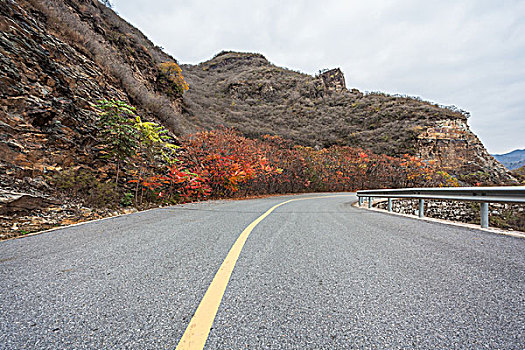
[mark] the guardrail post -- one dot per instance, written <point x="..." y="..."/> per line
<point x="369" y="202"/>
<point x="360" y="201"/>
<point x="389" y="205"/>
<point x="485" y="215"/>
<point x="421" y="208"/>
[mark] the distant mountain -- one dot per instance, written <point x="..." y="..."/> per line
<point x="519" y="174"/>
<point x="512" y="160"/>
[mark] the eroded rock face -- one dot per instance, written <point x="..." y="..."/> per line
<point x="57" y="59"/>
<point x="458" y="150"/>
<point x="53" y="71"/>
<point x="47" y="87"/>
<point x="333" y="80"/>
<point x="12" y="202"/>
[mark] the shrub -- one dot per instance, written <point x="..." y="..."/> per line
<point x="170" y="79"/>
<point x="233" y="165"/>
<point x="84" y="185"/>
<point x="127" y="199"/>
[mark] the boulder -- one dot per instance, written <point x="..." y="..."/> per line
<point x="15" y="203"/>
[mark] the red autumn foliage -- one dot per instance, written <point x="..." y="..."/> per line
<point x="233" y="165"/>
<point x="186" y="184"/>
<point x="223" y="163"/>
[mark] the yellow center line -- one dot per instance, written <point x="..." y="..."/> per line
<point x="199" y="327"/>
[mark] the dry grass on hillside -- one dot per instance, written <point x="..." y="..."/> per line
<point x="120" y="49"/>
<point x="248" y="92"/>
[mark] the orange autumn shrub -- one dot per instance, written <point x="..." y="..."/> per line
<point x="170" y="79"/>
<point x="227" y="160"/>
<point x="233" y="165"/>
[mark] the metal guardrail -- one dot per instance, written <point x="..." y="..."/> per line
<point x="484" y="195"/>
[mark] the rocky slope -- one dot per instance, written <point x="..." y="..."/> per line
<point x="458" y="150"/>
<point x="519" y="174"/>
<point x="57" y="58"/>
<point x="246" y="91"/>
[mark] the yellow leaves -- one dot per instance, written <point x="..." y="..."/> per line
<point x="173" y="73"/>
<point x="154" y="137"/>
<point x="171" y="146"/>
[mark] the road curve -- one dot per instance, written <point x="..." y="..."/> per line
<point x="314" y="274"/>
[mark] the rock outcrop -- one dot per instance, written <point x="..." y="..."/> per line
<point x="459" y="151"/>
<point x="332" y="80"/>
<point x="58" y="58"/>
<point x="11" y="203"/>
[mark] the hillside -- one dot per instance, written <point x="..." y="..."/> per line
<point x="246" y="91"/>
<point x="59" y="57"/>
<point x="512" y="160"/>
<point x="519" y="174"/>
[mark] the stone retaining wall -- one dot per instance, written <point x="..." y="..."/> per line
<point x="506" y="216"/>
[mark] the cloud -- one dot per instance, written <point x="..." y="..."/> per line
<point x="469" y="53"/>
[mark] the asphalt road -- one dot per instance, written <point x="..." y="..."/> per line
<point x="315" y="274"/>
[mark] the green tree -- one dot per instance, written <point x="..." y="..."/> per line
<point x="116" y="133"/>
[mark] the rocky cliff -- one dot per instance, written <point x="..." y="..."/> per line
<point x="57" y="58"/>
<point x="459" y="151"/>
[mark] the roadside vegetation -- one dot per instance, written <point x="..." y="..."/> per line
<point x="146" y="166"/>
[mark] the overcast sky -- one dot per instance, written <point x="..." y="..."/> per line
<point x="469" y="53"/>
